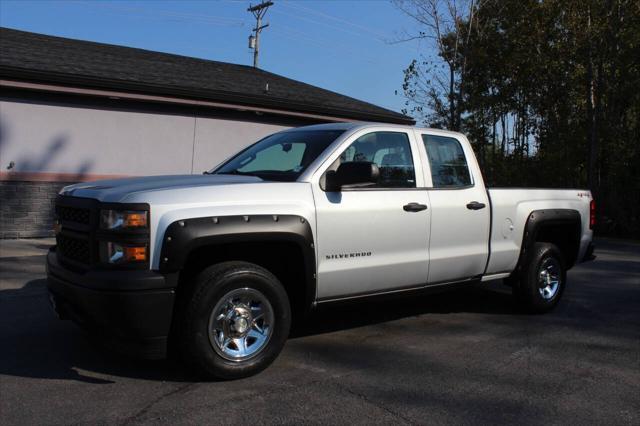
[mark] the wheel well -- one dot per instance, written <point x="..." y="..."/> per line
<point x="284" y="259"/>
<point x="561" y="227"/>
<point x="565" y="236"/>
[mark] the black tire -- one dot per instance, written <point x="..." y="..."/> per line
<point x="527" y="287"/>
<point x="209" y="287"/>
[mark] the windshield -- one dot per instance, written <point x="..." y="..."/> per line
<point x="280" y="157"/>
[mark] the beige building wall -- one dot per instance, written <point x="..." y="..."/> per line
<point x="58" y="139"/>
<point x="45" y="145"/>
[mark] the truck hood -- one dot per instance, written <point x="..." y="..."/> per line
<point x="115" y="190"/>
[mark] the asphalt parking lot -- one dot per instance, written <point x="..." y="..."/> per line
<point x="463" y="357"/>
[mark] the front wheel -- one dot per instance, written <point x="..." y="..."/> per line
<point x="542" y="280"/>
<point x="236" y="321"/>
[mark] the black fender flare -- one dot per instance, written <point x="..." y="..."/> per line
<point x="184" y="236"/>
<point x="538" y="219"/>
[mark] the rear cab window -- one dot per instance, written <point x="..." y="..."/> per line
<point x="447" y="161"/>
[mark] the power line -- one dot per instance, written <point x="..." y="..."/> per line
<point x="342" y="21"/>
<point x="339" y="24"/>
<point x="295" y="35"/>
<point x="258" y="12"/>
<point x="327" y="24"/>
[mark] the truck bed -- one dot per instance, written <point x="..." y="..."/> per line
<point x="511" y="207"/>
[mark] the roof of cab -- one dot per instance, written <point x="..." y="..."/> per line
<point x="364" y="125"/>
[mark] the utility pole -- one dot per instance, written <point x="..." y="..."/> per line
<point x="254" y="41"/>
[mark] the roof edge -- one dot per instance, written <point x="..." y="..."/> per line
<point x="161" y="99"/>
<point x="231" y="98"/>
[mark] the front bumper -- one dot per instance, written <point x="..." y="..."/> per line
<point x="130" y="309"/>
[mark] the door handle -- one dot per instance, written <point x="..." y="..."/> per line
<point x="474" y="205"/>
<point x="414" y="207"/>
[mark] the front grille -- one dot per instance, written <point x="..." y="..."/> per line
<point x="76" y="249"/>
<point x="79" y="238"/>
<point x="73" y="214"/>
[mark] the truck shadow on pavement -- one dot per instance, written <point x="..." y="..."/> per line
<point x="375" y="310"/>
<point x="37" y="345"/>
<point x="598" y="312"/>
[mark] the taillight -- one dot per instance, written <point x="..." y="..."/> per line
<point x="592" y="214"/>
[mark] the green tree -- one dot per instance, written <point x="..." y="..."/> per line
<point x="547" y="91"/>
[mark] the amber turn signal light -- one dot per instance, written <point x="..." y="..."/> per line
<point x="135" y="254"/>
<point x="117" y="253"/>
<point x="135" y="220"/>
<point x="123" y="219"/>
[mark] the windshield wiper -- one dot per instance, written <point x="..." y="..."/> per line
<point x="238" y="173"/>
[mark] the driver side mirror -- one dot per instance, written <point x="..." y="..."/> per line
<point x="352" y="174"/>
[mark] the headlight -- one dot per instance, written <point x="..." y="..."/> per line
<point x="123" y="219"/>
<point x="116" y="253"/>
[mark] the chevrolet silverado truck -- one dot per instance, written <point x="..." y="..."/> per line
<point x="214" y="267"/>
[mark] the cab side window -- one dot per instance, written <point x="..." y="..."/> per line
<point x="448" y="164"/>
<point x="391" y="152"/>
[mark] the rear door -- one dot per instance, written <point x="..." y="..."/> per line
<point x="460" y="211"/>
<point x="374" y="239"/>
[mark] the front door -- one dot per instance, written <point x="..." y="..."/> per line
<point x="376" y="238"/>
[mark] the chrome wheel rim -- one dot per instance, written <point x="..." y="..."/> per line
<point x="241" y="324"/>
<point x="549" y="278"/>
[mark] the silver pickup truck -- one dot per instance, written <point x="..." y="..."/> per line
<point x="214" y="267"/>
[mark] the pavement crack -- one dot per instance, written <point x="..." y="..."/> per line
<point x="382" y="407"/>
<point x="137" y="416"/>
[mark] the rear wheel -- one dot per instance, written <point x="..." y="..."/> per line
<point x="541" y="283"/>
<point x="235" y="322"/>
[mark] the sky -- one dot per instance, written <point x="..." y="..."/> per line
<point x="344" y="46"/>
